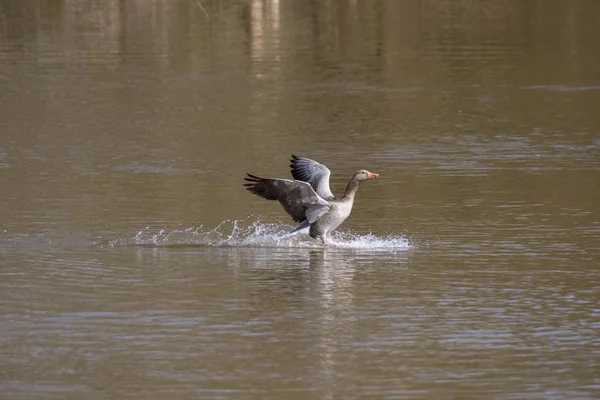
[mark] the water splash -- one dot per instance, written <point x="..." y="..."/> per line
<point x="259" y="234"/>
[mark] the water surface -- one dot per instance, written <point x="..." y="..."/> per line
<point x="135" y="265"/>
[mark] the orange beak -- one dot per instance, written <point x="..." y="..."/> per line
<point x="371" y="175"/>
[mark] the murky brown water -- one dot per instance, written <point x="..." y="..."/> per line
<point x="134" y="265"/>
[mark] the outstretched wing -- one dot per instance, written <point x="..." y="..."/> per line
<point x="298" y="198"/>
<point x="317" y="175"/>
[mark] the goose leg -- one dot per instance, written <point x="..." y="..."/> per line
<point x="334" y="245"/>
<point x="330" y="244"/>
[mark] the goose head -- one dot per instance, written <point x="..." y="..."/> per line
<point x="363" y="175"/>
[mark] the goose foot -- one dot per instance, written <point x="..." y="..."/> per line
<point x="332" y="244"/>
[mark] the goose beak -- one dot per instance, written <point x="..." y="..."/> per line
<point x="371" y="175"/>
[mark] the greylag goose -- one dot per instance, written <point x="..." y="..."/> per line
<point x="308" y="198"/>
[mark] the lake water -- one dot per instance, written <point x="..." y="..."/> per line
<point x="135" y="265"/>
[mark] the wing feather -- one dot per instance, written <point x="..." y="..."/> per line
<point x="298" y="198"/>
<point x="317" y="175"/>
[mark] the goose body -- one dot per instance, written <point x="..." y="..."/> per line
<point x="307" y="198"/>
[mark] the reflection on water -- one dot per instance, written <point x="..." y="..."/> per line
<point x="210" y="319"/>
<point x="135" y="265"/>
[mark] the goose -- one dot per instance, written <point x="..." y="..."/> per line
<point x="307" y="198"/>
